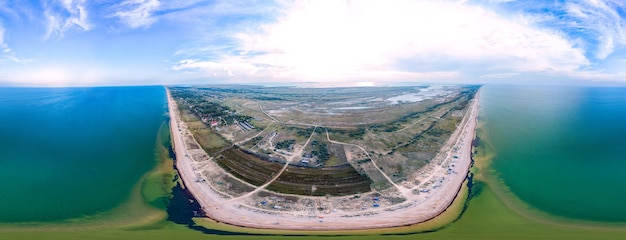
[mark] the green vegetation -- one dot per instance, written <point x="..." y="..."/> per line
<point x="320" y="150"/>
<point x="210" y="141"/>
<point x="336" y="181"/>
<point x="254" y="141"/>
<point x="342" y="180"/>
<point x="343" y="134"/>
<point x="247" y="167"/>
<point x="303" y="132"/>
<point x="337" y="156"/>
<point x="206" y="107"/>
<point x="284" y="144"/>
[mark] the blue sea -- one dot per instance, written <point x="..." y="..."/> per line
<point x="561" y="149"/>
<point x="73" y="152"/>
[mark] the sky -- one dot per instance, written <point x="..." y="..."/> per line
<point x="141" y="42"/>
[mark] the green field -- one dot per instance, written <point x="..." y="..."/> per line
<point x="339" y="180"/>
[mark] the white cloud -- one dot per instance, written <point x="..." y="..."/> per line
<point x="66" y="15"/>
<point x="7" y="53"/>
<point x="322" y="40"/>
<point x="601" y="19"/>
<point x="501" y="1"/>
<point x="3" y="45"/>
<point x="137" y="13"/>
<point x="499" y="75"/>
<point x="6" y="9"/>
<point x="216" y="69"/>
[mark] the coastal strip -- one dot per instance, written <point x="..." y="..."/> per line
<point x="448" y="175"/>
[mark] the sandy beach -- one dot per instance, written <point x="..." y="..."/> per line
<point x="440" y="181"/>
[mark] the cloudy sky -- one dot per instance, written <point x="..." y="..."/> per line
<point x="108" y="42"/>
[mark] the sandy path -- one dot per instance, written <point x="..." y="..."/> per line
<point x="298" y="152"/>
<point x="418" y="208"/>
<point x="268" y="115"/>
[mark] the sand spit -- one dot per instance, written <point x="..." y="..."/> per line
<point x="439" y="183"/>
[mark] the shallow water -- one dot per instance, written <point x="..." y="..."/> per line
<point x="560" y="149"/>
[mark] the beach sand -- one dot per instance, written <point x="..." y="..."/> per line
<point x="440" y="182"/>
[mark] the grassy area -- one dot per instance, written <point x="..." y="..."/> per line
<point x="210" y="141"/>
<point x="337" y="155"/>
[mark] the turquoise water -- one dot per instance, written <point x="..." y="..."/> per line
<point x="73" y="152"/>
<point x="560" y="149"/>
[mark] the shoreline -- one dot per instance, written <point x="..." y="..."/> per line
<point x="415" y="210"/>
<point x="527" y="211"/>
